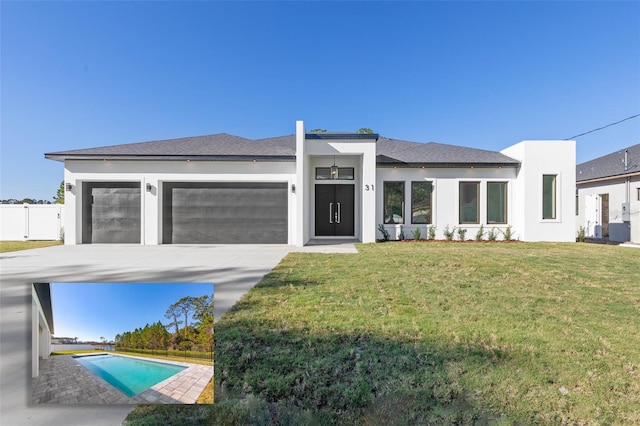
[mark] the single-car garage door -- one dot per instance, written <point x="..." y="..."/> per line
<point x="225" y="213"/>
<point x="111" y="212"/>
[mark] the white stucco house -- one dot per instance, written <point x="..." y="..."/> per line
<point x="41" y="325"/>
<point x="608" y="196"/>
<point x="308" y="186"/>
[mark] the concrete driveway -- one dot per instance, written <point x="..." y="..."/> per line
<point x="233" y="269"/>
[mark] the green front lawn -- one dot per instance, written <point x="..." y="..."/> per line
<point x="415" y="333"/>
<point x="6" y="246"/>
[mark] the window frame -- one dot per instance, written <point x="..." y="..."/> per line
<point x="460" y="203"/>
<point x="430" y="204"/>
<point x="385" y="185"/>
<point x="505" y="207"/>
<point x="554" y="198"/>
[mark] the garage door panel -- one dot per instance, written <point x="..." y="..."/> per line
<point x="225" y="213"/>
<point x="111" y="212"/>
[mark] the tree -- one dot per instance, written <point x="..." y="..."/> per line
<point x="59" y="197"/>
<point x="172" y="313"/>
<point x="364" y="131"/>
<point x="318" y="131"/>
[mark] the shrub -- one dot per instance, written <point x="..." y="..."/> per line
<point x="492" y="235"/>
<point x="508" y="233"/>
<point x="462" y="233"/>
<point x="416" y="233"/>
<point x="480" y="233"/>
<point x="581" y="234"/>
<point x="401" y="235"/>
<point x="448" y="233"/>
<point x="431" y="233"/>
<point x="384" y="232"/>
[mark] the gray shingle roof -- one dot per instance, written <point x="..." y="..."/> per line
<point x="222" y="146"/>
<point x="609" y="165"/>
<point x="393" y="152"/>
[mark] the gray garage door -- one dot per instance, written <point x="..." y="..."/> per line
<point x="224" y="213"/>
<point x="111" y="212"/>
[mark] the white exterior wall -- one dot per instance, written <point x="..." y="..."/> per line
<point x="157" y="172"/>
<point x="40" y="334"/>
<point x="619" y="191"/>
<point x="445" y="197"/>
<point x="31" y="221"/>
<point x="540" y="158"/>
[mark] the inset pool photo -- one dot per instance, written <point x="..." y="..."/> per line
<point x="122" y="343"/>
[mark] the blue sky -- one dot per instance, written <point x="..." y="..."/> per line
<point x="477" y="74"/>
<point x="93" y="310"/>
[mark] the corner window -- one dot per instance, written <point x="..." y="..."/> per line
<point x="549" y="196"/>
<point x="496" y="202"/>
<point x="394" y="202"/>
<point x="421" y="202"/>
<point x="469" y="197"/>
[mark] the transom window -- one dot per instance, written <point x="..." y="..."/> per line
<point x="469" y="200"/>
<point x="343" y="173"/>
<point x="496" y="202"/>
<point x="421" y="204"/>
<point x="394" y="202"/>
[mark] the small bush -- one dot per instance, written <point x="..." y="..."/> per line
<point x="480" y="233"/>
<point x="492" y="235"/>
<point x="431" y="233"/>
<point x="508" y="233"/>
<point x="401" y="235"/>
<point x="416" y="233"/>
<point x="448" y="233"/>
<point x="462" y="234"/>
<point x="384" y="232"/>
<point x="581" y="234"/>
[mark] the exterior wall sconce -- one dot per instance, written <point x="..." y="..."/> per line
<point x="69" y="186"/>
<point x="149" y="187"/>
<point x="334" y="169"/>
<point x="293" y="188"/>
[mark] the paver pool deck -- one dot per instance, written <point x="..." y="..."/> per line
<point x="63" y="380"/>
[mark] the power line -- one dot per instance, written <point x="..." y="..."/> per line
<point x="603" y="127"/>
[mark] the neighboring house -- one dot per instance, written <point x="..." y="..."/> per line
<point x="292" y="189"/>
<point x="608" y="196"/>
<point x="41" y="325"/>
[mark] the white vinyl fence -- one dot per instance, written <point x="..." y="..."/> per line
<point x="20" y="222"/>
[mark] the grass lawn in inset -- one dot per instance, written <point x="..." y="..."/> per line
<point x="6" y="246"/>
<point x="415" y="333"/>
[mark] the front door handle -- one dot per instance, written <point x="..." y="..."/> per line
<point x="339" y="216"/>
<point x="330" y="212"/>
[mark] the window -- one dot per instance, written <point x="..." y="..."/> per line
<point x="344" y="173"/>
<point x="549" y="196"/>
<point x="421" y="202"/>
<point x="469" y="202"/>
<point x="394" y="202"/>
<point x="496" y="202"/>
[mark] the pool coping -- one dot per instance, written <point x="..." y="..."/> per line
<point x="65" y="381"/>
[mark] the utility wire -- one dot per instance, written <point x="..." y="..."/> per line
<point x="603" y="127"/>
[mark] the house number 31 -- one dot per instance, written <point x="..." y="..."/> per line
<point x="369" y="187"/>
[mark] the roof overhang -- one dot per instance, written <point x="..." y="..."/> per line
<point x="608" y="178"/>
<point x="43" y="290"/>
<point x="349" y="136"/>
<point x="261" y="158"/>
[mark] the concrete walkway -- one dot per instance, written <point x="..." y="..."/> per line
<point x="234" y="270"/>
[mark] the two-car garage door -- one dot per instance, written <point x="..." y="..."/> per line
<point x="192" y="212"/>
<point x="224" y="213"/>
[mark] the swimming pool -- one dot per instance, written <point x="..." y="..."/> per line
<point x="130" y="375"/>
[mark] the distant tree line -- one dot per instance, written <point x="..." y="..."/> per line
<point x="195" y="336"/>
<point x="25" y="201"/>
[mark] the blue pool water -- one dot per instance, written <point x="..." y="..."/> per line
<point x="131" y="376"/>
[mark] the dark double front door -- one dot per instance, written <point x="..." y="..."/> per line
<point x="334" y="210"/>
